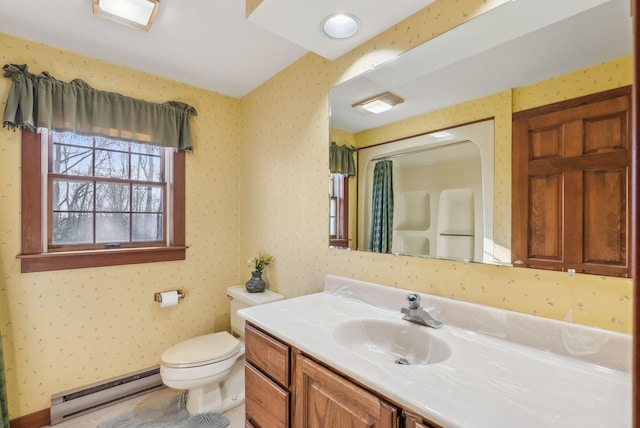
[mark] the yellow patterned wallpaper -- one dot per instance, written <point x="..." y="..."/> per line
<point x="256" y="181"/>
<point x="601" y="77"/>
<point x="61" y="330"/>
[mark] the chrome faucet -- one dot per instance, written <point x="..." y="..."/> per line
<point x="415" y="313"/>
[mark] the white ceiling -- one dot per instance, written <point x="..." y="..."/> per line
<point x="206" y="43"/>
<point x="302" y="19"/>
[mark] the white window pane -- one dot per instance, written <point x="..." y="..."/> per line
<point x="147" y="227"/>
<point x="112" y="197"/>
<point x="72" y="228"/>
<point x="111" y="227"/>
<point x="332" y="227"/>
<point x="112" y="164"/>
<point x="147" y="199"/>
<point x="145" y="168"/>
<point x="72" y="195"/>
<point x="72" y="160"/>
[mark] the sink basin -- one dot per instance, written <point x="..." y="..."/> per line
<point x="393" y="342"/>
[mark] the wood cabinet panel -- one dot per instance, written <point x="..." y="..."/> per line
<point x="266" y="403"/>
<point x="571" y="175"/>
<point x="325" y="399"/>
<point x="614" y="127"/>
<point x="268" y="354"/>
<point x="545" y="209"/>
<point x="605" y="224"/>
<point x="545" y="143"/>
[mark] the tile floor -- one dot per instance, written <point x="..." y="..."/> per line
<point x="91" y="420"/>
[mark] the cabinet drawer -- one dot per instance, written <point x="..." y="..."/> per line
<point x="266" y="403"/>
<point x="267" y="354"/>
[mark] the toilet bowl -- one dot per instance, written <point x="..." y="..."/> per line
<point x="202" y="365"/>
<point x="211" y="367"/>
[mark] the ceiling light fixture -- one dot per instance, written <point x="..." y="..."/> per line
<point x="379" y="103"/>
<point x="138" y="14"/>
<point x="340" y="26"/>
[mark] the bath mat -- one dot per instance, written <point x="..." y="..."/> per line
<point x="171" y="413"/>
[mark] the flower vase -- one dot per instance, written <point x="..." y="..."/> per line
<point x="256" y="284"/>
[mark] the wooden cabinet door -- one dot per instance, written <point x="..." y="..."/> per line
<point x="266" y="403"/>
<point x="571" y="191"/>
<point x="325" y="399"/>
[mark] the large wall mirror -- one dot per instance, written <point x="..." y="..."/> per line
<point x="451" y="122"/>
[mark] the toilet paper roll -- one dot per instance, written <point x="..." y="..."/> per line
<point x="169" y="298"/>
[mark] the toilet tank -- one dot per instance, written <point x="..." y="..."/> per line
<point x="240" y="298"/>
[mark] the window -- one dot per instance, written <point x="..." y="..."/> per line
<point x="99" y="202"/>
<point x="104" y="193"/>
<point x="339" y="210"/>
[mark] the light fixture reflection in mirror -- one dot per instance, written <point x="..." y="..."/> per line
<point x="378" y="103"/>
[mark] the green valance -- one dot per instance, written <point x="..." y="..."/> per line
<point x="341" y="159"/>
<point x="41" y="101"/>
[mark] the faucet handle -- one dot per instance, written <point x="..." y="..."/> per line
<point x="414" y="300"/>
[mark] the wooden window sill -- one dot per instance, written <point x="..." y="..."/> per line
<point x="85" y="259"/>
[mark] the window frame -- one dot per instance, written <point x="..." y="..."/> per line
<point x="341" y="239"/>
<point x="163" y="183"/>
<point x="34" y="259"/>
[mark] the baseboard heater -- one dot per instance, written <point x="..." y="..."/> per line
<point x="75" y="402"/>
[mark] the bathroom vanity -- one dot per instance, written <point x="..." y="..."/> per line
<point x="323" y="396"/>
<point x="345" y="357"/>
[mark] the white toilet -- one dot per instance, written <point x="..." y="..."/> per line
<point x="211" y="367"/>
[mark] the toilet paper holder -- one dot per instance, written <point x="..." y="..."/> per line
<point x="157" y="297"/>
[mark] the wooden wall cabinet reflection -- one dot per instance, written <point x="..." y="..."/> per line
<point x="571" y="185"/>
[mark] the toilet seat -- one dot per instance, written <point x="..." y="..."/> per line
<point x="201" y="350"/>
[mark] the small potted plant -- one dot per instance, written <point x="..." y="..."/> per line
<point x="256" y="284"/>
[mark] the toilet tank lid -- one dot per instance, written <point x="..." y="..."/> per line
<point x="201" y="349"/>
<point x="253" y="299"/>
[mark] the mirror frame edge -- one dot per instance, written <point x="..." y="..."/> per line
<point x="635" y="218"/>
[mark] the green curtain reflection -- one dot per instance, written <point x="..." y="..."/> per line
<point x="341" y="159"/>
<point x="41" y="101"/>
<point x="381" y="232"/>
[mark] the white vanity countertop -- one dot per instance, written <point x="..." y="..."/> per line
<point x="487" y="381"/>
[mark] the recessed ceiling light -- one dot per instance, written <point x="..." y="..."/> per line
<point x="340" y="25"/>
<point x="133" y="13"/>
<point x="378" y="103"/>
